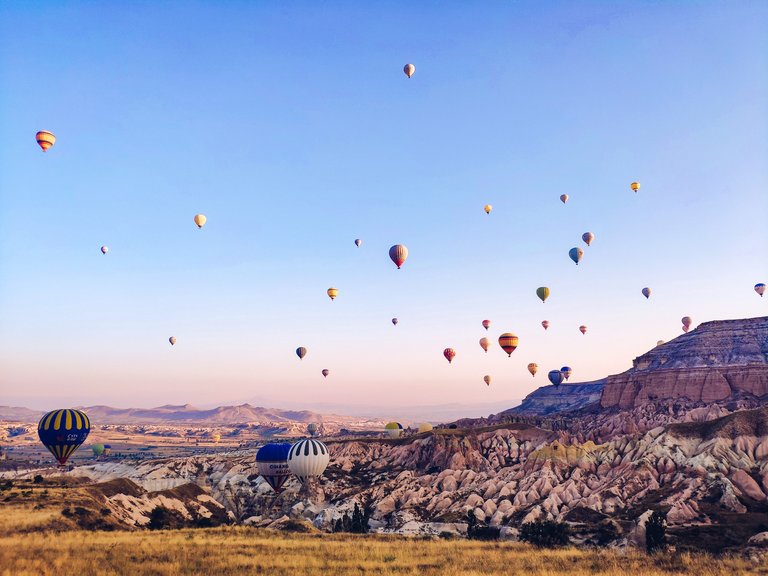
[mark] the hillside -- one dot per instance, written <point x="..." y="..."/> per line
<point x="718" y="361"/>
<point x="186" y="414"/>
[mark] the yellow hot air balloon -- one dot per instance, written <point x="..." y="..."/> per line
<point x="332" y="293"/>
<point x="488" y="208"/>
<point x="487" y="380"/>
<point x="508" y="342"/>
<point x="533" y="368"/>
<point x="635" y="186"/>
<point x="543" y="293"/>
<point x="484" y="344"/>
<point x="425" y="427"/>
<point x="200" y="220"/>
<point x="45" y="139"/>
<point x="409" y="69"/>
<point x="216" y="437"/>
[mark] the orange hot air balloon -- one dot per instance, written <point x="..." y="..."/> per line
<point x="635" y="186"/>
<point x="332" y="293"/>
<point x="449" y="354"/>
<point x="508" y="342"/>
<point x="200" y="220"/>
<point x="533" y="368"/>
<point x="563" y="198"/>
<point x="488" y="208"/>
<point x="583" y="329"/>
<point x="545" y="324"/>
<point x="409" y="69"/>
<point x="484" y="343"/>
<point x="398" y="253"/>
<point x="487" y="380"/>
<point x="686" y="323"/>
<point x="45" y="139"/>
<point x="486" y="324"/>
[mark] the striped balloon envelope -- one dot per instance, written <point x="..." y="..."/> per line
<point x="308" y="458"/>
<point x="63" y="431"/>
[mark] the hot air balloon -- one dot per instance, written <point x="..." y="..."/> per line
<point x="583" y="329"/>
<point x="312" y="429"/>
<point x="98" y="449"/>
<point x="563" y="198"/>
<point x="487" y="380"/>
<point x="308" y="458"/>
<point x="646" y="292"/>
<point x="566" y="370"/>
<point x="449" y="354"/>
<point x="545" y="324"/>
<point x="760" y="289"/>
<point x="686" y="323"/>
<point x="488" y="208"/>
<point x="659" y="342"/>
<point x="508" y="342"/>
<point x="104" y="249"/>
<point x="635" y="186"/>
<point x="556" y="377"/>
<point x="200" y="220"/>
<point x="425" y="427"/>
<point x="272" y="463"/>
<point x="486" y="324"/>
<point x="172" y="340"/>
<point x="45" y="139"/>
<point x="409" y="69"/>
<point x="358" y="242"/>
<point x="326" y="372"/>
<point x="484" y="343"/>
<point x="395" y="321"/>
<point x="575" y="254"/>
<point x="398" y="253"/>
<point x="332" y="293"/>
<point x="588" y="238"/>
<point x="107" y="449"/>
<point x="301" y="352"/>
<point x="543" y="293"/>
<point x="63" y="431"/>
<point x="533" y="368"/>
<point x="216" y="437"/>
<point x="394" y="429"/>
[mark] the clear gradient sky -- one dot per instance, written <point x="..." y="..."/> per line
<point x="292" y="127"/>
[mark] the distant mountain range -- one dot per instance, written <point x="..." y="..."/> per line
<point x="169" y="414"/>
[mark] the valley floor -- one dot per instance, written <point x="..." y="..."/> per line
<point x="231" y="551"/>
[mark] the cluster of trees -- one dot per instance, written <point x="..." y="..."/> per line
<point x="356" y="524"/>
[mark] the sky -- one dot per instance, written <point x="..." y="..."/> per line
<point x="292" y="127"/>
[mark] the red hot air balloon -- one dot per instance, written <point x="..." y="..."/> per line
<point x="449" y="354"/>
<point x="686" y="323"/>
<point x="486" y="324"/>
<point x="545" y="324"/>
<point x="583" y="329"/>
<point x="398" y="253"/>
<point x="326" y="372"/>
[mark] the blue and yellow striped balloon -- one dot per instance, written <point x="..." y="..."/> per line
<point x="63" y="431"/>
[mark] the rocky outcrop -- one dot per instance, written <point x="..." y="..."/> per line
<point x="710" y="363"/>
<point x="551" y="399"/>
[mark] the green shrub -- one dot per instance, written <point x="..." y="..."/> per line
<point x="655" y="532"/>
<point x="545" y="533"/>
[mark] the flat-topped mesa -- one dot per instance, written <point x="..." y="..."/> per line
<point x="708" y="364"/>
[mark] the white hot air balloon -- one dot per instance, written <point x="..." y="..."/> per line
<point x="308" y="458"/>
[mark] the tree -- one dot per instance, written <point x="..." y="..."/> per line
<point x="655" y="532"/>
<point x="545" y="533"/>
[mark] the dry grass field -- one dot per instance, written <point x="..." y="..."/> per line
<point x="231" y="551"/>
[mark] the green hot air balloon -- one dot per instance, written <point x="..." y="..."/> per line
<point x="98" y="449"/>
<point x="543" y="293"/>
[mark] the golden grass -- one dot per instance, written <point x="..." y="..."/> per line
<point x="235" y="551"/>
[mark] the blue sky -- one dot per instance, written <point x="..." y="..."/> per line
<point x="294" y="129"/>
